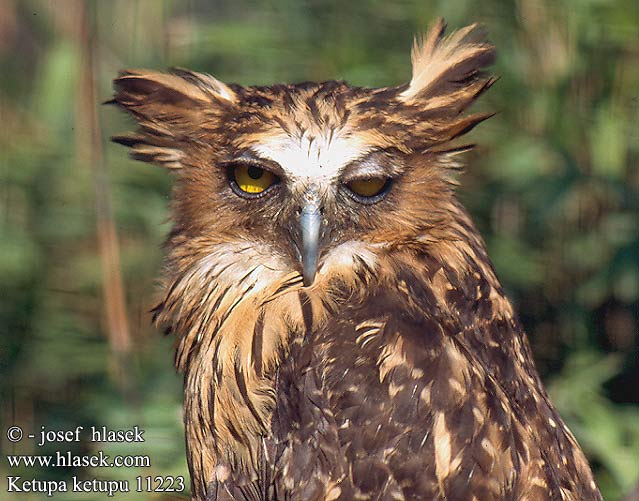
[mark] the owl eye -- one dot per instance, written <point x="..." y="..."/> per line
<point x="369" y="190"/>
<point x="251" y="179"/>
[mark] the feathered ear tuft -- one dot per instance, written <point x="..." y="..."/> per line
<point x="171" y="109"/>
<point x="447" y="77"/>
<point x="447" y="70"/>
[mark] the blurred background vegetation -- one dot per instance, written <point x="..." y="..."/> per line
<point x="554" y="188"/>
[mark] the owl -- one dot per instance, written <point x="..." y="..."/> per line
<point x="341" y="330"/>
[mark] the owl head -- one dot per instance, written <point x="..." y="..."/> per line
<point x="312" y="169"/>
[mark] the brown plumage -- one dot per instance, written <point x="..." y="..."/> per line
<point x="339" y="325"/>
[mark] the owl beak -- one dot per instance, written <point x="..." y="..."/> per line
<point x="310" y="223"/>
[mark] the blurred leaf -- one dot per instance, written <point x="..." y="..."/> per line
<point x="610" y="434"/>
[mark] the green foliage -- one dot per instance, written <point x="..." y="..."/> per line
<point x="554" y="189"/>
<point x="608" y="433"/>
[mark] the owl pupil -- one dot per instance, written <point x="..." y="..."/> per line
<point x="255" y="172"/>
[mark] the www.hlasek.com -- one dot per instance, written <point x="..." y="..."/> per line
<point x="68" y="460"/>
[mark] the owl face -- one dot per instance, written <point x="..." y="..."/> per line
<point x="305" y="185"/>
<point x="310" y="170"/>
<point x="308" y="175"/>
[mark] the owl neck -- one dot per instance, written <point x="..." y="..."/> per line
<point x="237" y="309"/>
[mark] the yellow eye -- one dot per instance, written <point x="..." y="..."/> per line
<point x="368" y="187"/>
<point x="252" y="179"/>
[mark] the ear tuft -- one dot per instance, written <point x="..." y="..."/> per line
<point x="178" y="87"/>
<point x="171" y="109"/>
<point x="208" y="84"/>
<point x="447" y="70"/>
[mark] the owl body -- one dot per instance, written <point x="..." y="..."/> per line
<point x="340" y="328"/>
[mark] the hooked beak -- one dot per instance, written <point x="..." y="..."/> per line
<point x="310" y="223"/>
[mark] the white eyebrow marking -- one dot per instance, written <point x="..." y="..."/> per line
<point x="320" y="158"/>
